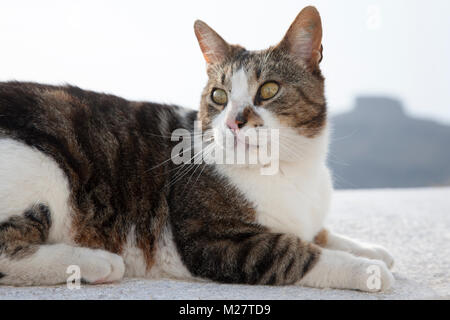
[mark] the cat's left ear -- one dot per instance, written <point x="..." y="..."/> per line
<point x="214" y="48"/>
<point x="303" y="40"/>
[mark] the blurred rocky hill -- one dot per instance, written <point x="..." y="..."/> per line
<point x="377" y="145"/>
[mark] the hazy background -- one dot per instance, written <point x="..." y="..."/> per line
<point x="388" y="59"/>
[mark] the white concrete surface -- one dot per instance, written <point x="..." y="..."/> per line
<point x="413" y="223"/>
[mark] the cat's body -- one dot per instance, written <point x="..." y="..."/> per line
<point x="86" y="179"/>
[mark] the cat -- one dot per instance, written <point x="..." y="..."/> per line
<point x="86" y="179"/>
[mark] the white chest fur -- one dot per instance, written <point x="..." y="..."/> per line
<point x="296" y="200"/>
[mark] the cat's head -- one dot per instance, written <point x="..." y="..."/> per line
<point x="279" y="88"/>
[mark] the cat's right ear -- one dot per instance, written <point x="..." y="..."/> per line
<point x="303" y="40"/>
<point x="214" y="48"/>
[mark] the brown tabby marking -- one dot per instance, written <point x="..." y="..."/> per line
<point x="321" y="239"/>
<point x="20" y="235"/>
<point x="252" y="119"/>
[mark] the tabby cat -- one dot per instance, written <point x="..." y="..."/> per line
<point x="86" y="179"/>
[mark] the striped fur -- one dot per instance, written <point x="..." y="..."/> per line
<point x="20" y="235"/>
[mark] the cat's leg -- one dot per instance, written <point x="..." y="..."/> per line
<point x="335" y="241"/>
<point x="25" y="259"/>
<point x="254" y="257"/>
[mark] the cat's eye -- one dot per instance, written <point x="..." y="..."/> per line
<point x="268" y="90"/>
<point x="219" y="96"/>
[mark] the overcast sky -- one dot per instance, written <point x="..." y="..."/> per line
<point x="146" y="50"/>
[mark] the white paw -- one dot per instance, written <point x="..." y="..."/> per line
<point x="100" y="266"/>
<point x="342" y="270"/>
<point x="378" y="253"/>
<point x="372" y="276"/>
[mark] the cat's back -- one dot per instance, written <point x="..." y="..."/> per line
<point x="34" y="109"/>
<point x="67" y="120"/>
<point x="33" y="104"/>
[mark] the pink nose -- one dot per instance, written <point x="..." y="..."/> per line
<point x="231" y="123"/>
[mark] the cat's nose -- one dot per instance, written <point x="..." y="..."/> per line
<point x="231" y="124"/>
<point x="239" y="121"/>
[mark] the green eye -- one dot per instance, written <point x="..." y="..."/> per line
<point x="268" y="90"/>
<point x="219" y="96"/>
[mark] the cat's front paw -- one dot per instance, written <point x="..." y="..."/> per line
<point x="373" y="276"/>
<point x="377" y="253"/>
<point x="342" y="270"/>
